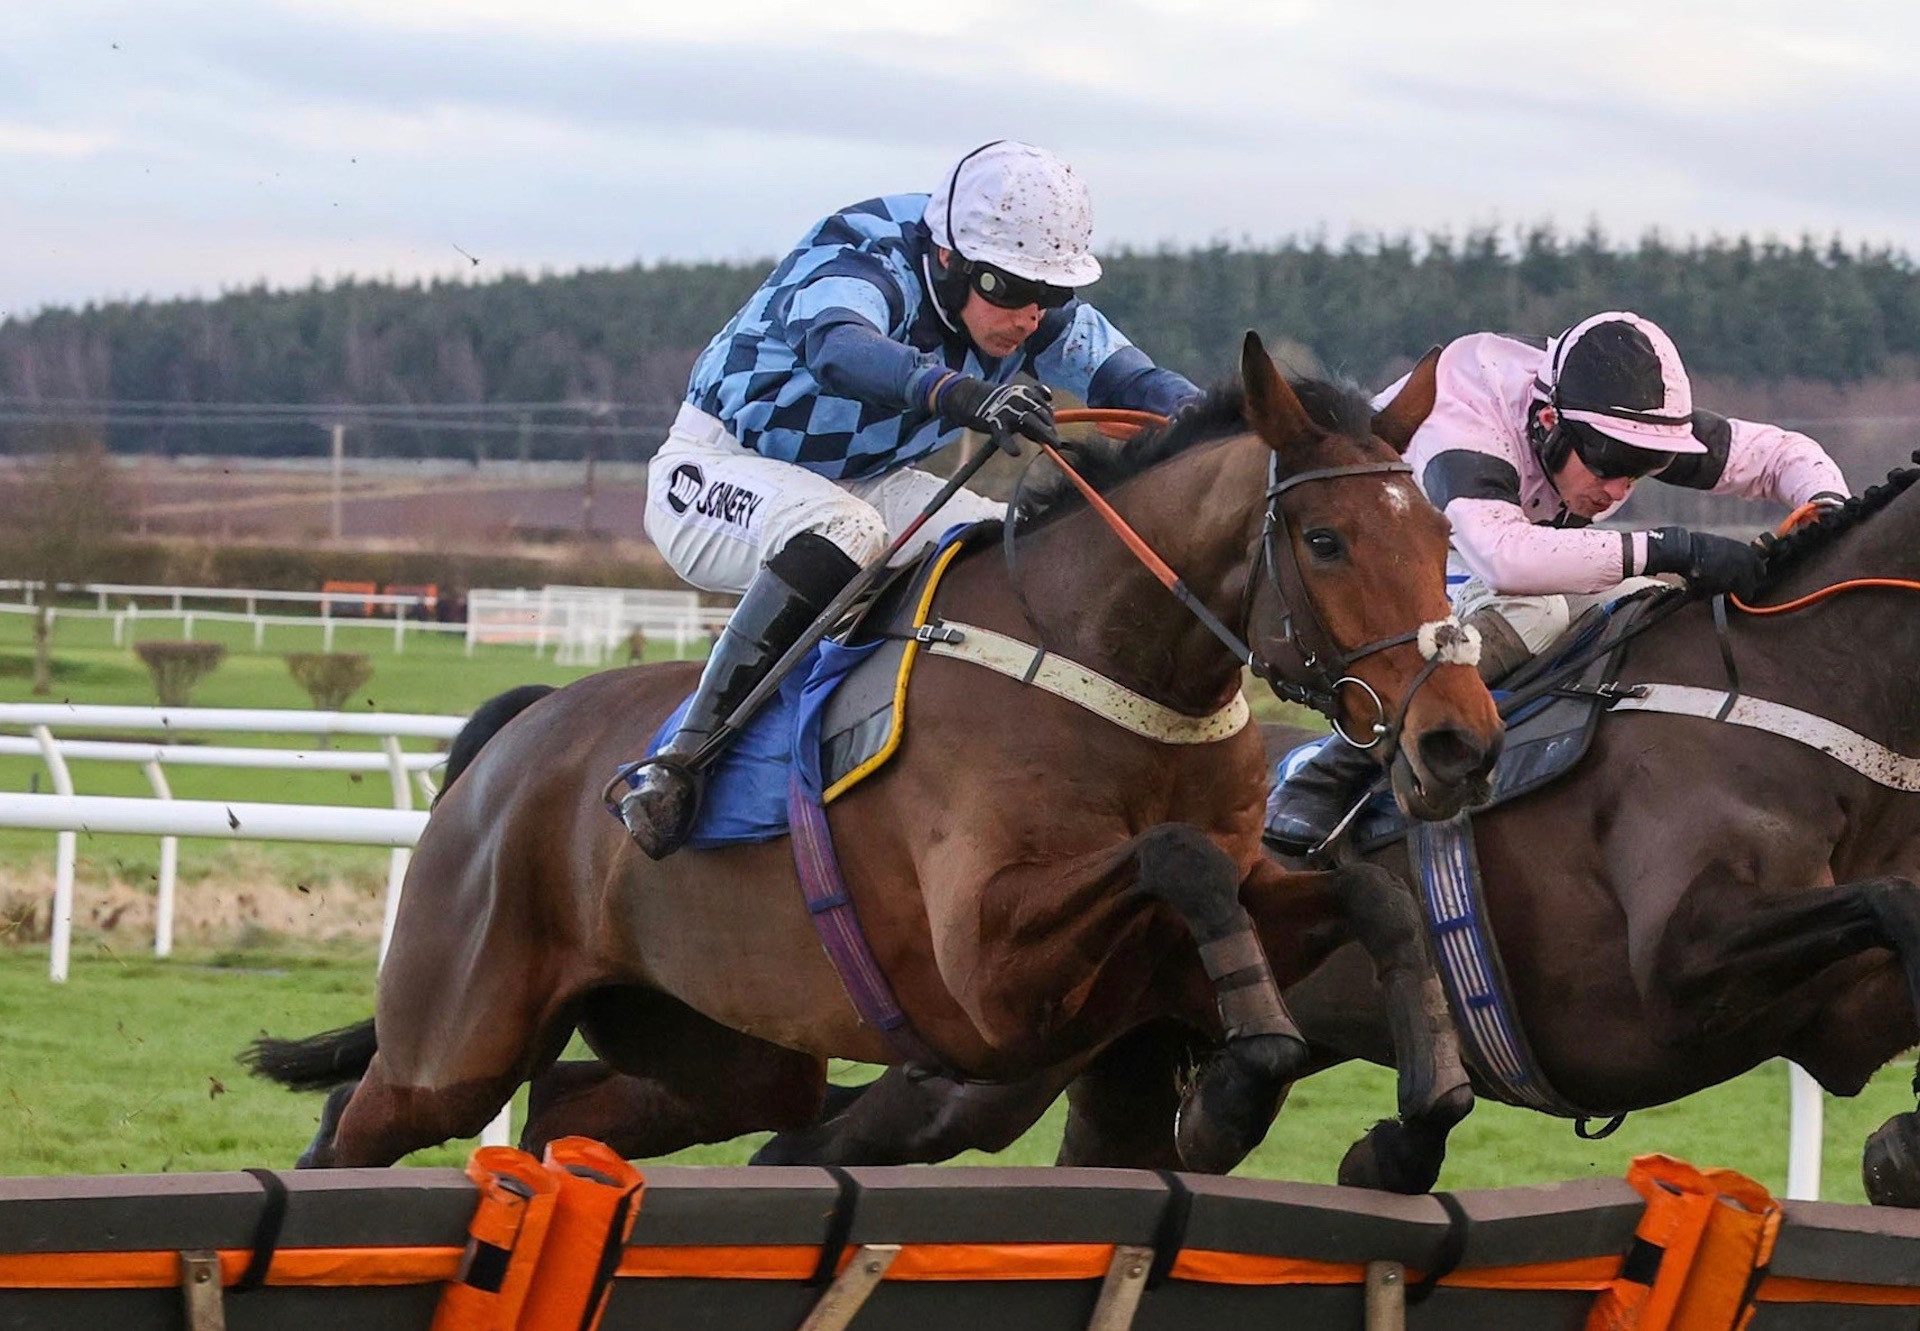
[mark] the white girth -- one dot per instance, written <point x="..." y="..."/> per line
<point x="1083" y="687"/>
<point x="1872" y="760"/>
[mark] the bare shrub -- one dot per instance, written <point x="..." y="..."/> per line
<point x="636" y="647"/>
<point x="330" y="678"/>
<point x="178" y="667"/>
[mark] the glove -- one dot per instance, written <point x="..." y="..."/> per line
<point x="1710" y="564"/>
<point x="1827" y="500"/>
<point x="997" y="409"/>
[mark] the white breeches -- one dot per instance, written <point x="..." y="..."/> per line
<point x="718" y="510"/>
<point x="1537" y="619"/>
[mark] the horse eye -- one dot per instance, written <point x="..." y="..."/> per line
<point x="1325" y="543"/>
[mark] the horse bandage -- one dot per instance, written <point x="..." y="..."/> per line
<point x="1449" y="642"/>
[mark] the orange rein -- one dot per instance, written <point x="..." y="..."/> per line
<point x="1116" y="423"/>
<point x="1806" y="513"/>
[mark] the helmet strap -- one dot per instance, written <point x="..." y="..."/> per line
<point x="1551" y="443"/>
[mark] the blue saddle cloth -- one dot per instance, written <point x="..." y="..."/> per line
<point x="746" y="792"/>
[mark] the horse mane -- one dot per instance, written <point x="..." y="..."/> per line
<point x="1785" y="553"/>
<point x="1216" y="414"/>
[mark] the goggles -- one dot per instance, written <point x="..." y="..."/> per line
<point x="1010" y="291"/>
<point x="1612" y="459"/>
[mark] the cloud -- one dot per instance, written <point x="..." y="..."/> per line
<point x="372" y="136"/>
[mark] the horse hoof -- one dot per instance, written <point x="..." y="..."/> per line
<point x="1890" y="1164"/>
<point x="1229" y="1109"/>
<point x="1386" y="1160"/>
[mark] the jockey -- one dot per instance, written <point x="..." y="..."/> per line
<point x="1524" y="449"/>
<point x="893" y="325"/>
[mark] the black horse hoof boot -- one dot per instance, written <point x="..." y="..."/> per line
<point x="659" y="811"/>
<point x="1890" y="1165"/>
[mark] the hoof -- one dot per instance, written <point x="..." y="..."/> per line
<point x="1890" y="1164"/>
<point x="1228" y="1111"/>
<point x="1388" y="1160"/>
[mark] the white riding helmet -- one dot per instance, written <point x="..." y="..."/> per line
<point x="1020" y="208"/>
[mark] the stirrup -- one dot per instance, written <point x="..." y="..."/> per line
<point x="626" y="777"/>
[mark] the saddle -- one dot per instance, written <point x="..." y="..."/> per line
<point x="845" y="703"/>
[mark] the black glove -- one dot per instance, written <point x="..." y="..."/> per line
<point x="1003" y="409"/>
<point x="1710" y="564"/>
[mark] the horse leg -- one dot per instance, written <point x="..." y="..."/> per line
<point x="1232" y="1101"/>
<point x="1772" y="949"/>
<point x="672" y="1079"/>
<point x="1405" y="1154"/>
<point x="912" y="1117"/>
<point x="1121" y="1109"/>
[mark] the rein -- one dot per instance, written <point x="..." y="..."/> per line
<point x="1807" y="513"/>
<point x="1321" y="667"/>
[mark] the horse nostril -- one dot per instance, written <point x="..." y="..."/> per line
<point x="1452" y="755"/>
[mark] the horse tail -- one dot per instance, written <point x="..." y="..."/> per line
<point x="487" y="721"/>
<point x="317" y="1062"/>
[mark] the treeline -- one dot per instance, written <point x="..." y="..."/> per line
<point x="1741" y="309"/>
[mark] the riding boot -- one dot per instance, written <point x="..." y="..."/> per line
<point x="1314" y="799"/>
<point x="785" y="597"/>
<point x="1502" y="650"/>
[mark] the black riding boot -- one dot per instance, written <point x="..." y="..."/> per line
<point x="1316" y="797"/>
<point x="1313" y="802"/>
<point x="785" y="597"/>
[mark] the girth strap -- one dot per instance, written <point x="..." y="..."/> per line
<point x="1871" y="759"/>
<point x="1084" y="687"/>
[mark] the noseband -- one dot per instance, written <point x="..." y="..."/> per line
<point x="1311" y="667"/>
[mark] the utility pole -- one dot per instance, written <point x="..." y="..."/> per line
<point x="339" y="473"/>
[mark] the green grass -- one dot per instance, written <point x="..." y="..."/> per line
<point x="130" y="1066"/>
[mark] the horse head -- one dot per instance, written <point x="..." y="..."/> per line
<point x="1346" y="605"/>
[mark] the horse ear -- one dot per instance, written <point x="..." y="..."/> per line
<point x="1273" y="409"/>
<point x="1397" y="421"/>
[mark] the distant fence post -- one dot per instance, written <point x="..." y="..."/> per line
<point x="66" y="847"/>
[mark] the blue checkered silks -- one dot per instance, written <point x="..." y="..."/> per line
<point x="788" y="382"/>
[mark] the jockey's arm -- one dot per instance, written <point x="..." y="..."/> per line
<point x="1077" y="349"/>
<point x="1480" y="494"/>
<point x="835" y="324"/>
<point x="1756" y="461"/>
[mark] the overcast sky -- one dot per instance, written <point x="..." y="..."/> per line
<point x="166" y="149"/>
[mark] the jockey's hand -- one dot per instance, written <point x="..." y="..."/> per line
<point x="1827" y="500"/>
<point x="975" y="404"/>
<point x="1710" y="564"/>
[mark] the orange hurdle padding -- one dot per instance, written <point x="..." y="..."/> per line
<point x="505" y="1236"/>
<point x="599" y="1196"/>
<point x="1703" y="1235"/>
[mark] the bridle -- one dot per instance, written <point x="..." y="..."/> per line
<point x="1311" y="667"/>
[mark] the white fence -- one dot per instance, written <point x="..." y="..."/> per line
<point x="587" y="625"/>
<point x="69" y="813"/>
<point x="583" y="625"/>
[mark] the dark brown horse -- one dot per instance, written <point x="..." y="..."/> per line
<point x="1033" y="878"/>
<point x="1695" y="899"/>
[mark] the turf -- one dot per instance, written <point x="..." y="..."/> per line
<point x="130" y="1066"/>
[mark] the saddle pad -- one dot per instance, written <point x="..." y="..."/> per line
<point x="745" y="798"/>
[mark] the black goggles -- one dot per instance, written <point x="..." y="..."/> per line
<point x="1010" y="291"/>
<point x="1612" y="459"/>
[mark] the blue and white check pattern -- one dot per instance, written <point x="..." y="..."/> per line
<point x="863" y="264"/>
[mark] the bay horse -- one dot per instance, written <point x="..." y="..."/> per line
<point x="1032" y="878"/>
<point x="1694" y="899"/>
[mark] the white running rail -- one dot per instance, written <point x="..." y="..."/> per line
<point x="68" y="813"/>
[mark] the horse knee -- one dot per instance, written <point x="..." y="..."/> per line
<point x="1382" y="912"/>
<point x="1181" y="866"/>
